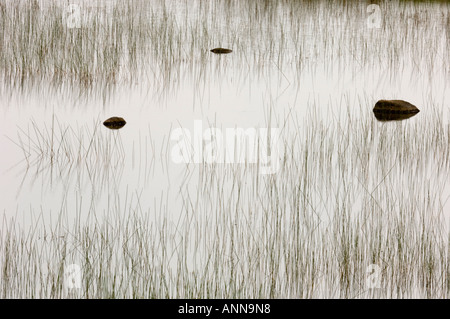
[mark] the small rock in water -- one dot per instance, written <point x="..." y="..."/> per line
<point x="221" y="51"/>
<point x="395" y="106"/>
<point x="114" y="123"/>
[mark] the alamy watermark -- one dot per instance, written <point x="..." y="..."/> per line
<point x="373" y="280"/>
<point x="76" y="16"/>
<point x="229" y="146"/>
<point x="72" y="279"/>
<point x="72" y="16"/>
<point x="374" y="18"/>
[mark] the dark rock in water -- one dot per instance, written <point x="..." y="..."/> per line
<point x="221" y="51"/>
<point x="384" y="116"/>
<point x="394" y="110"/>
<point x="114" y="123"/>
<point x="395" y="107"/>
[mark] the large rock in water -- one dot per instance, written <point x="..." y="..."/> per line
<point x="395" y="106"/>
<point x="114" y="123"/>
<point x="394" y="110"/>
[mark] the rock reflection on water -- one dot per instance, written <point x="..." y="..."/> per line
<point x="385" y="117"/>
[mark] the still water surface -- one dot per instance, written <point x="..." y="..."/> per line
<point x="292" y="64"/>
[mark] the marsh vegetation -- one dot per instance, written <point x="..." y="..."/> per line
<point x="350" y="191"/>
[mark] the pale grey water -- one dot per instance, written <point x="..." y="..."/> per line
<point x="229" y="93"/>
<point x="235" y="90"/>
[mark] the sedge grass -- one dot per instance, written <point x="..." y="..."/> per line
<point x="342" y="201"/>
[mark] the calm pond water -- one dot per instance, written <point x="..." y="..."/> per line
<point x="310" y="71"/>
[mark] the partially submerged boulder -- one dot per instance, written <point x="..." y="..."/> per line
<point x="395" y="107"/>
<point x="221" y="51"/>
<point x="114" y="123"/>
